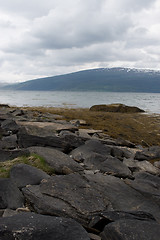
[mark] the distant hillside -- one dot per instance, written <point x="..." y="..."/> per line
<point x="102" y="79"/>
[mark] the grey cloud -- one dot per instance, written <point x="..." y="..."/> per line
<point x="56" y="36"/>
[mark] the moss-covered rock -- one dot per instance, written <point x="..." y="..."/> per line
<point x="121" y="108"/>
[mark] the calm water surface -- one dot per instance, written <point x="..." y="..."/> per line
<point x="148" y="101"/>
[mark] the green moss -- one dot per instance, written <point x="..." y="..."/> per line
<point x="32" y="160"/>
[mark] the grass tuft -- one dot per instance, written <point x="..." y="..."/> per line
<point x="32" y="160"/>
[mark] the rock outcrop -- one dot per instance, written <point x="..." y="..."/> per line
<point x="121" y="108"/>
<point x="102" y="188"/>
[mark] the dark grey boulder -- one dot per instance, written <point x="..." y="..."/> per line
<point x="121" y="153"/>
<point x="9" y="142"/>
<point x="74" y="140"/>
<point x="6" y="155"/>
<point x="10" y="125"/>
<point x="32" y="226"/>
<point x="122" y="196"/>
<point x="148" y="185"/>
<point x="69" y="196"/>
<point x="99" y="221"/>
<point x="148" y="153"/>
<point x="10" y="195"/>
<point x="98" y="147"/>
<point x="80" y="196"/>
<point x="90" y="146"/>
<point x="23" y="174"/>
<point x="25" y="140"/>
<point x="127" y="229"/>
<point x="108" y="165"/>
<point x="57" y="159"/>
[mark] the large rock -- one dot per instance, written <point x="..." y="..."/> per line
<point x="9" y="142"/>
<point x="43" y="129"/>
<point x="32" y="226"/>
<point x="95" y="146"/>
<point x="148" y="185"/>
<point x="127" y="229"/>
<point x="122" y="196"/>
<point x="121" y="108"/>
<point x="10" y="125"/>
<point x="99" y="221"/>
<point x="10" y="195"/>
<point x="80" y="196"/>
<point x="69" y="195"/>
<point x="60" y="161"/>
<point x="23" y="174"/>
<point x="108" y="165"/>
<point x="25" y="140"/>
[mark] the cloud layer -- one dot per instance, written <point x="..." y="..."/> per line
<point x="44" y="38"/>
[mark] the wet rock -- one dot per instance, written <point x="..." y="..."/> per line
<point x="121" y="108"/>
<point x="10" y="195"/>
<point x="56" y="159"/>
<point x="131" y="230"/>
<point x="23" y="174"/>
<point x="34" y="226"/>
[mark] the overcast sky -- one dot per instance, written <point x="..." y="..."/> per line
<point x="44" y="38"/>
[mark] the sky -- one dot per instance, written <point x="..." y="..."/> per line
<point x="53" y="37"/>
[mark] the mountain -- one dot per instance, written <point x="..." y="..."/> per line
<point x="101" y="79"/>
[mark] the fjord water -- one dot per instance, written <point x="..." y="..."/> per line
<point x="150" y="102"/>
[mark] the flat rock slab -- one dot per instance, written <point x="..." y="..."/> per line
<point x="81" y="196"/>
<point x="25" y="140"/>
<point x="60" y="161"/>
<point x="32" y="226"/>
<point x="69" y="196"/>
<point x="46" y="128"/>
<point x="127" y="229"/>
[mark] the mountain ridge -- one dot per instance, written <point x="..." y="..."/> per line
<point x="99" y="79"/>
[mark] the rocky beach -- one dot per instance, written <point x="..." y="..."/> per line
<point x="61" y="179"/>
